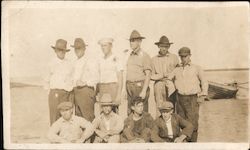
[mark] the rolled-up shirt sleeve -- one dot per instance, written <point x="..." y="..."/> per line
<point x="53" y="133"/>
<point x="147" y="63"/>
<point x="89" y="129"/>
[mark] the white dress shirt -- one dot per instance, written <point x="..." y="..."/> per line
<point x="86" y="71"/>
<point x="60" y="75"/>
<point x="109" y="68"/>
<point x="169" y="127"/>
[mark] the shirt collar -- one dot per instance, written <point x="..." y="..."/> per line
<point x="69" y="121"/>
<point x="188" y="64"/>
<point x="166" y="55"/>
<point x="136" y="52"/>
<point x="111" y="115"/>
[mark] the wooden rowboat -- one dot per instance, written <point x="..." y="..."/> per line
<point x="222" y="91"/>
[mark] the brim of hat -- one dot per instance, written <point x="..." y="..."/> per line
<point x="184" y="54"/>
<point x="158" y="43"/>
<point x="137" y="38"/>
<point x="74" y="45"/>
<point x="67" y="50"/>
<point x="106" y="103"/>
<point x="64" y="108"/>
<point x="164" y="108"/>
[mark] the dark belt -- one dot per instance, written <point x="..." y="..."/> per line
<point x="187" y="95"/>
<point x="85" y="86"/>
<point x="134" y="82"/>
<point x="107" y="83"/>
<point x="59" y="90"/>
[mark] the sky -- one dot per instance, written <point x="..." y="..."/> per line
<point x="216" y="35"/>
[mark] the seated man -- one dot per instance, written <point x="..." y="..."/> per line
<point x="109" y="124"/>
<point x="138" y="125"/>
<point x="69" y="128"/>
<point x="170" y="127"/>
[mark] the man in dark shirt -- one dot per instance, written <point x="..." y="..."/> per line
<point x="138" y="125"/>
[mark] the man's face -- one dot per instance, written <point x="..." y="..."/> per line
<point x="60" y="53"/>
<point x="106" y="109"/>
<point x="163" y="49"/>
<point x="135" y="43"/>
<point x="79" y="52"/>
<point x="185" y="59"/>
<point x="66" y="114"/>
<point x="166" y="114"/>
<point x="138" y="108"/>
<point x="106" y="48"/>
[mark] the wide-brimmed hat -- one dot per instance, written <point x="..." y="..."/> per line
<point x="79" y="43"/>
<point x="166" y="106"/>
<point x="61" y="44"/>
<point x="184" y="51"/>
<point x="65" y="106"/>
<point x="163" y="41"/>
<point x="136" y="35"/>
<point x="106" y="99"/>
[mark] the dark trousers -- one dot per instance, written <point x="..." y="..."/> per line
<point x="188" y="108"/>
<point x="56" y="96"/>
<point x="145" y="135"/>
<point x="84" y="102"/>
<point x="133" y="91"/>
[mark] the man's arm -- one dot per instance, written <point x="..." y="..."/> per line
<point x="146" y="84"/>
<point x="120" y="86"/>
<point x="89" y="129"/>
<point x="96" y="124"/>
<point x="127" y="131"/>
<point x="203" y="81"/>
<point x="118" y="128"/>
<point x="155" y="134"/>
<point x="53" y="134"/>
<point x="186" y="126"/>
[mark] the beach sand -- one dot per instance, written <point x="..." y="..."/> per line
<point x="223" y="120"/>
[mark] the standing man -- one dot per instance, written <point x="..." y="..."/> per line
<point x="85" y="80"/>
<point x="58" y="79"/>
<point x="139" y="70"/>
<point x="111" y="73"/>
<point x="109" y="124"/>
<point x="191" y="84"/>
<point x="163" y="64"/>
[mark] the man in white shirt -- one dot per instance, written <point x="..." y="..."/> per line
<point x="58" y="79"/>
<point x="191" y="85"/>
<point x="111" y="73"/>
<point x="85" y="80"/>
<point x="69" y="128"/>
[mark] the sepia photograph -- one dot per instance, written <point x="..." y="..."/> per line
<point x="125" y="75"/>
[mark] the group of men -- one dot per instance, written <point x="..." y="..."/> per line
<point x="84" y="99"/>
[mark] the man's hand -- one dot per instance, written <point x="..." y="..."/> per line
<point x="201" y="99"/>
<point x="180" y="139"/>
<point x="143" y="94"/>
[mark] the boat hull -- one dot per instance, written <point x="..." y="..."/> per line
<point x="216" y="91"/>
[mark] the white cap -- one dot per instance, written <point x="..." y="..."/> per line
<point x="105" y="40"/>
